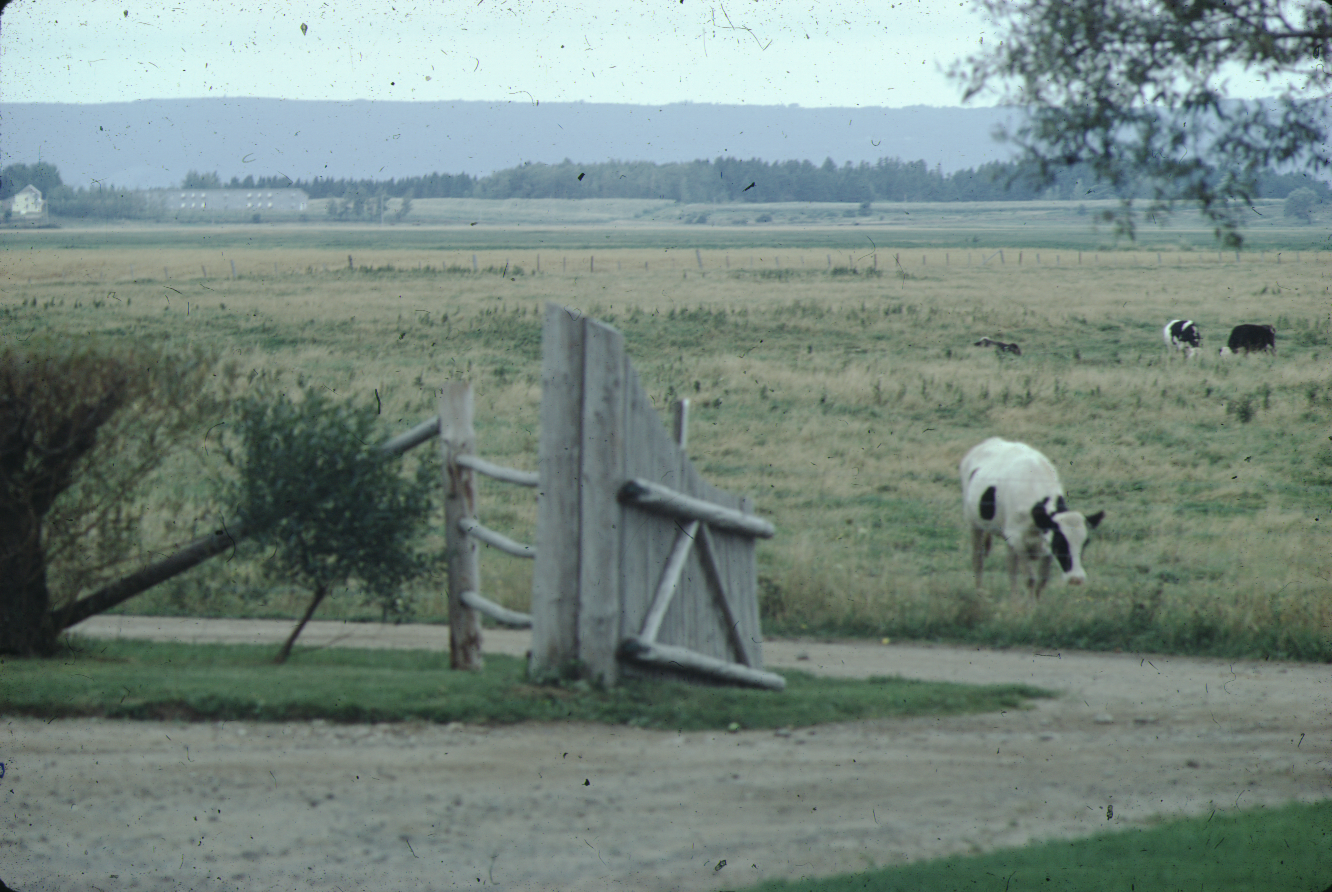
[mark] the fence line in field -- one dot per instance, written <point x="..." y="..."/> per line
<point x="720" y="260"/>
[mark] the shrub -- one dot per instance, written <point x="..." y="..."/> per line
<point x="1300" y="205"/>
<point x="314" y="488"/>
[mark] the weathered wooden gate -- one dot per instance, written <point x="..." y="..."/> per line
<point x="639" y="561"/>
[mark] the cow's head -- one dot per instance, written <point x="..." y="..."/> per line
<point x="1065" y="534"/>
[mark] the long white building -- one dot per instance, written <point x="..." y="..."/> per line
<point x="209" y="202"/>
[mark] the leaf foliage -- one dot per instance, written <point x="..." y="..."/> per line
<point x="85" y="424"/>
<point x="314" y="489"/>
<point x="1141" y="90"/>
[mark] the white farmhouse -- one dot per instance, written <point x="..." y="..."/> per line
<point x="27" y="203"/>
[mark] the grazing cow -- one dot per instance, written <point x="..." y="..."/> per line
<point x="1011" y="490"/>
<point x="1248" y="337"/>
<point x="1183" y="334"/>
<point x="1000" y="346"/>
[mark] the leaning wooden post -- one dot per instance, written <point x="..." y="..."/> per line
<point x="555" y="596"/>
<point x="457" y="438"/>
<point x="599" y="511"/>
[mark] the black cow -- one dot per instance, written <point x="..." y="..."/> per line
<point x="1249" y="337"/>
<point x="1183" y="334"/>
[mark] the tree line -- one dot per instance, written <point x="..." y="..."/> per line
<point x="721" y="180"/>
<point x="726" y="180"/>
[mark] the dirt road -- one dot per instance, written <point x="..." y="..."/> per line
<point x="239" y="805"/>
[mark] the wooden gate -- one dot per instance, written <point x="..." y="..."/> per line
<point x="639" y="560"/>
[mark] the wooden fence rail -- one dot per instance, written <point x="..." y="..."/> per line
<point x="499" y="614"/>
<point x="663" y="500"/>
<point x="499" y="472"/>
<point x="462" y="530"/>
<point x="472" y="527"/>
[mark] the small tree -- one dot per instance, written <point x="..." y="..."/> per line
<point x="84" y="424"/>
<point x="404" y="208"/>
<point x="313" y="488"/>
<point x="1300" y="204"/>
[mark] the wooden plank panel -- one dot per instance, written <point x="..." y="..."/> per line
<point x="644" y="545"/>
<point x="744" y="573"/>
<point x="678" y="626"/>
<point x="600" y="512"/>
<point x="735" y="560"/>
<point x="708" y="624"/>
<point x="555" y="577"/>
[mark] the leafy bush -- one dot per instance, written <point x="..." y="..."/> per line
<point x="314" y="487"/>
<point x="1300" y="205"/>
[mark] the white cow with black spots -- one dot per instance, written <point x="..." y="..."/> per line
<point x="1183" y="335"/>
<point x="1012" y="491"/>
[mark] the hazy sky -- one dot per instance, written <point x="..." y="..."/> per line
<point x="633" y="51"/>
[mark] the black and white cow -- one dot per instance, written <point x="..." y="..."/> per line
<point x="999" y="346"/>
<point x="1012" y="491"/>
<point x="1183" y="334"/>
<point x="1249" y="337"/>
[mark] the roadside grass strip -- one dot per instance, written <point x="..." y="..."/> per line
<point x="1286" y="849"/>
<point x="216" y="682"/>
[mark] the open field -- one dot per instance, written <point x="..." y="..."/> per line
<point x="839" y="387"/>
<point x="464" y="224"/>
<point x="1134" y="743"/>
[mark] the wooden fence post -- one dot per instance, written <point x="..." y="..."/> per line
<point x="603" y="445"/>
<point x="457" y="437"/>
<point x="559" y="464"/>
<point x="681" y="426"/>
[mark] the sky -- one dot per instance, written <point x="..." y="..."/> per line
<point x="814" y="54"/>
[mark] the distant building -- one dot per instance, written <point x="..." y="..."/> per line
<point x="27" y="204"/>
<point x="215" y="202"/>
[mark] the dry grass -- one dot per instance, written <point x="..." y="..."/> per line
<point x="842" y="401"/>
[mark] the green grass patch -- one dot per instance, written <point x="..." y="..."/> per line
<point x="1287" y="849"/>
<point x="142" y="680"/>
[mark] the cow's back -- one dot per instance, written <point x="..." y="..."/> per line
<point x="1018" y="475"/>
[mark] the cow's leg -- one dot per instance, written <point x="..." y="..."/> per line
<point x="980" y="547"/>
<point x="1042" y="576"/>
<point x="1015" y="564"/>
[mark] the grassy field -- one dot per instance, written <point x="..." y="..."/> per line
<point x="444" y="225"/>
<point x="1273" y="850"/>
<point x="217" y="682"/>
<point x="832" y="380"/>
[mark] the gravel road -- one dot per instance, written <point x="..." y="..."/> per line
<point x="111" y="805"/>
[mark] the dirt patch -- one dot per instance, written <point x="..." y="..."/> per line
<point x="310" y="805"/>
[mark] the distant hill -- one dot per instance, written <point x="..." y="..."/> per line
<point x="155" y="142"/>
